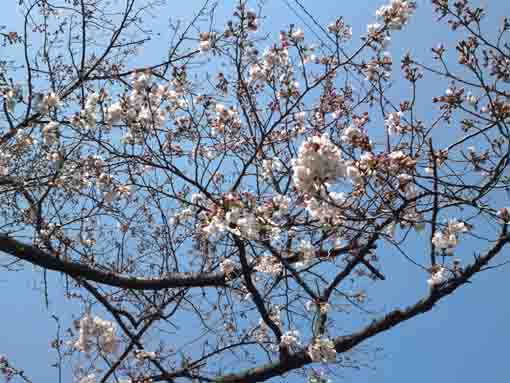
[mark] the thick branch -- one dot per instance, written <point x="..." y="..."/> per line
<point x="80" y="271"/>
<point x="346" y="343"/>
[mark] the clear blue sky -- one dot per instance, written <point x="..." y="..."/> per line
<point x="465" y="339"/>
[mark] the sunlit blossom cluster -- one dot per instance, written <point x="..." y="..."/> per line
<point x="50" y="133"/>
<point x="11" y="96"/>
<point x="396" y="14"/>
<point x="226" y="117"/>
<point x="438" y="276"/>
<point x="447" y="239"/>
<point x="272" y="60"/>
<point x="227" y="267"/>
<point x="48" y="101"/>
<point x="263" y="189"/>
<point x="98" y="332"/>
<point x="322" y="350"/>
<point x="327" y="207"/>
<point x="393" y="123"/>
<point x="142" y="355"/>
<point x="379" y="68"/>
<point x="318" y="163"/>
<point x="270" y="167"/>
<point x="207" y="40"/>
<point x="320" y="307"/>
<point x="340" y="29"/>
<point x="238" y="218"/>
<point x="269" y="265"/>
<point x="290" y="339"/>
<point x="5" y="162"/>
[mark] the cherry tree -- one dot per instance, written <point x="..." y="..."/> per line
<point x="244" y="186"/>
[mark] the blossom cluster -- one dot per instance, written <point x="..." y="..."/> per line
<point x="269" y="265"/>
<point x="142" y="355"/>
<point x="393" y="123"/>
<point x="272" y="60"/>
<point x="50" y="133"/>
<point x="48" y="101"/>
<point x="437" y="276"/>
<point x="11" y="96"/>
<point x="318" y="164"/>
<point x="225" y="117"/>
<point x="207" y="40"/>
<point x="448" y="239"/>
<point x="340" y="29"/>
<point x="396" y="14"/>
<point x="141" y="110"/>
<point x="98" y="331"/>
<point x="244" y="219"/>
<point x="322" y="350"/>
<point x="290" y="339"/>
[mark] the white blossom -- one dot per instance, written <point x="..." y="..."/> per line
<point x="322" y="350"/>
<point x="142" y="355"/>
<point x="113" y="113"/>
<point x="318" y="163"/>
<point x="50" y="132"/>
<point x="290" y="339"/>
<point x="438" y="276"/>
<point x="91" y="378"/>
<point x="393" y="124"/>
<point x="350" y="133"/>
<point x="397" y="13"/>
<point x="298" y="35"/>
<point x="269" y="265"/>
<point x="281" y="203"/>
<point x="227" y="266"/>
<point x="206" y="41"/>
<point x="448" y="239"/>
<point x="48" y="101"/>
<point x="98" y="331"/>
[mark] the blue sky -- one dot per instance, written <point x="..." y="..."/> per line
<point x="464" y="339"/>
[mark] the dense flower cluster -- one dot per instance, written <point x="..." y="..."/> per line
<point x="11" y="96"/>
<point x="379" y="67"/>
<point x="91" y="378"/>
<point x="319" y="163"/>
<point x="263" y="188"/>
<point x="447" y="239"/>
<point x="50" y="133"/>
<point x="306" y="252"/>
<point x="396" y="14"/>
<point x="273" y="59"/>
<point x="241" y="219"/>
<point x="269" y="265"/>
<point x="393" y="123"/>
<point x="94" y="330"/>
<point x="225" y="118"/>
<point x="48" y="101"/>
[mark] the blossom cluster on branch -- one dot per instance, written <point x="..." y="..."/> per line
<point x="228" y="209"/>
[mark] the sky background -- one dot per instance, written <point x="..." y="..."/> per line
<point x="464" y="339"/>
